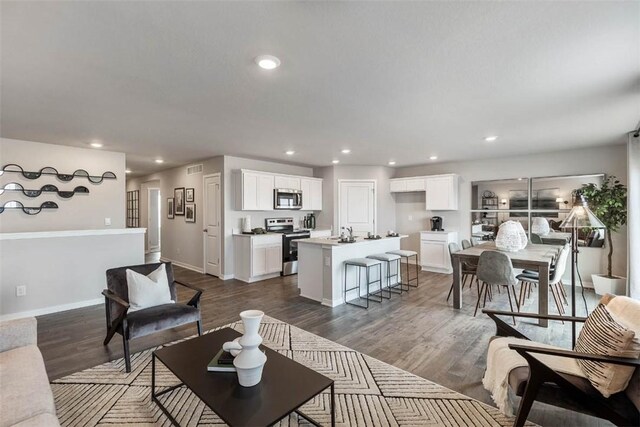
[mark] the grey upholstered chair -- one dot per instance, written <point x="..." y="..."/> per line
<point x="535" y="238"/>
<point x="466" y="244"/>
<point x="148" y="320"/>
<point x="468" y="270"/>
<point x="495" y="268"/>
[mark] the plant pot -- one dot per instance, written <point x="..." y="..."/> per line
<point x="609" y="285"/>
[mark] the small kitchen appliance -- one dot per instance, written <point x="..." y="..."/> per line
<point x="436" y="223"/>
<point x="287" y="199"/>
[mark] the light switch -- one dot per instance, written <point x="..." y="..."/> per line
<point x="107" y="221"/>
<point x="410" y="217"/>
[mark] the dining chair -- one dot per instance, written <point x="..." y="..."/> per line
<point x="495" y="268"/>
<point x="536" y="239"/>
<point x="468" y="270"/>
<point x="555" y="281"/>
<point x="466" y="244"/>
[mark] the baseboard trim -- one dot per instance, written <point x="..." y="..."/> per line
<point x="50" y="310"/>
<point x="226" y="277"/>
<point x="183" y="265"/>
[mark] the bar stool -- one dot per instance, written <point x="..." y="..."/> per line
<point x="366" y="264"/>
<point x="389" y="258"/>
<point x="408" y="254"/>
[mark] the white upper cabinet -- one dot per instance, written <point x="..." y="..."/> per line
<point x="441" y="192"/>
<point x="257" y="191"/>
<point x="311" y="194"/>
<point x="403" y="185"/>
<point x="287" y="181"/>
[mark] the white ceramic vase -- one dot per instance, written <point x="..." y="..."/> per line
<point x="511" y="237"/>
<point x="540" y="226"/>
<point x="250" y="361"/>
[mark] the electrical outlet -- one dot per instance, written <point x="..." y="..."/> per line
<point x="410" y="217"/>
<point x="21" y="291"/>
<point x="107" y="221"/>
<point x="327" y="261"/>
<point x="177" y="250"/>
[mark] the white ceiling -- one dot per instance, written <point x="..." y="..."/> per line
<point x="390" y="80"/>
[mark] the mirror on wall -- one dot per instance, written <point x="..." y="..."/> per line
<point x="533" y="202"/>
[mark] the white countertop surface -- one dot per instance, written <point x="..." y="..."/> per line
<point x="333" y="241"/>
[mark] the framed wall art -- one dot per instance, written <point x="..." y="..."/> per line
<point x="190" y="195"/>
<point x="170" y="208"/>
<point x="190" y="212"/>
<point x="178" y="203"/>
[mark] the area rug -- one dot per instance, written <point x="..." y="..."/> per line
<point x="368" y="391"/>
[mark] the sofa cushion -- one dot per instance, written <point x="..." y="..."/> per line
<point x="42" y="420"/>
<point x="18" y="333"/>
<point x="153" y="319"/>
<point x="25" y="386"/>
<point x="602" y="335"/>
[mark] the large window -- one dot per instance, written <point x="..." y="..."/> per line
<point x="523" y="199"/>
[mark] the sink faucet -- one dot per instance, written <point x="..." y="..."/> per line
<point x="350" y="230"/>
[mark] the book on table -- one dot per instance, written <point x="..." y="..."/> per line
<point x="222" y="362"/>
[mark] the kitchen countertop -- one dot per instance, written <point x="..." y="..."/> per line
<point x="333" y="241"/>
<point x="272" y="233"/>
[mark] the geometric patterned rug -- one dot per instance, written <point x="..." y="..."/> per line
<point x="368" y="392"/>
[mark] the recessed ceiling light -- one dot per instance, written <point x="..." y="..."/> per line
<point x="491" y="138"/>
<point x="159" y="161"/>
<point x="267" y="62"/>
<point x="433" y="158"/>
<point x="290" y="152"/>
<point x="127" y="171"/>
<point x="391" y="163"/>
<point x="335" y="162"/>
<point x="346" y="151"/>
<point x="96" y="144"/>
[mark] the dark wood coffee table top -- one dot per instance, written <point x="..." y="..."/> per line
<point x="286" y="385"/>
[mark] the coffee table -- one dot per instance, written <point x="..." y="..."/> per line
<point x="286" y="385"/>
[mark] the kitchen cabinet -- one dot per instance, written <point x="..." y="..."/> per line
<point x="257" y="191"/>
<point x="311" y="194"/>
<point x="257" y="257"/>
<point x="441" y="192"/>
<point x="405" y="185"/>
<point x="287" y="181"/>
<point x="434" y="250"/>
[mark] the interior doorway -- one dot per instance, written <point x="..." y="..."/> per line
<point x="357" y="206"/>
<point x="212" y="229"/>
<point x="153" y="220"/>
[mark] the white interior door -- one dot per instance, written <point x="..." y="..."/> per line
<point x="212" y="225"/>
<point x="358" y="206"/>
<point x="153" y="220"/>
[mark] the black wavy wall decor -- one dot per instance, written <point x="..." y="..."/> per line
<point x="49" y="188"/>
<point x="65" y="177"/>
<point x="29" y="210"/>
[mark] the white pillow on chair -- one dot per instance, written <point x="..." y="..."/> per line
<point x="148" y="291"/>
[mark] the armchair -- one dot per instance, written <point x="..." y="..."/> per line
<point x="540" y="382"/>
<point x="149" y="320"/>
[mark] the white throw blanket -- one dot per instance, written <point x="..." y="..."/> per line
<point x="501" y="360"/>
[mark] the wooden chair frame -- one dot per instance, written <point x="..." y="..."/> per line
<point x="541" y="374"/>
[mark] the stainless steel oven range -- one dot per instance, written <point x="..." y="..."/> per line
<point x="289" y="242"/>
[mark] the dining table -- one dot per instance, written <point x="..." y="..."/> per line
<point x="537" y="257"/>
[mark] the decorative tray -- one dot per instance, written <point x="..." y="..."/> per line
<point x="373" y="238"/>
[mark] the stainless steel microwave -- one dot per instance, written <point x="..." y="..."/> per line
<point x="287" y="198"/>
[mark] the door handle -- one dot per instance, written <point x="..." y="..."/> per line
<point x="205" y="230"/>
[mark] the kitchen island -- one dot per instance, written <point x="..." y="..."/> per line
<point x="321" y="267"/>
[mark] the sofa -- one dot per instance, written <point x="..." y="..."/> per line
<point x="25" y="394"/>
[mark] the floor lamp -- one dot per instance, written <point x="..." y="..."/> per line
<point x="579" y="217"/>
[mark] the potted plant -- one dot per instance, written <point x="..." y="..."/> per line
<point x="609" y="203"/>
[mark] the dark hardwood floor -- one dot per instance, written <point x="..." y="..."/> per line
<point x="418" y="331"/>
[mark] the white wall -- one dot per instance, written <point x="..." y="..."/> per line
<point x="61" y="272"/>
<point x="610" y="160"/>
<point x="82" y="211"/>
<point x="634" y="216"/>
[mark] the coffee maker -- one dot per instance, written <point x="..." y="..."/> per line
<point x="436" y="223"/>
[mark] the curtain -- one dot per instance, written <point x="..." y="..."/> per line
<point x="633" y="217"/>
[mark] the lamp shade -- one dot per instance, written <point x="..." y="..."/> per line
<point x="581" y="216"/>
<point x="540" y="225"/>
<point x="511" y="237"/>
